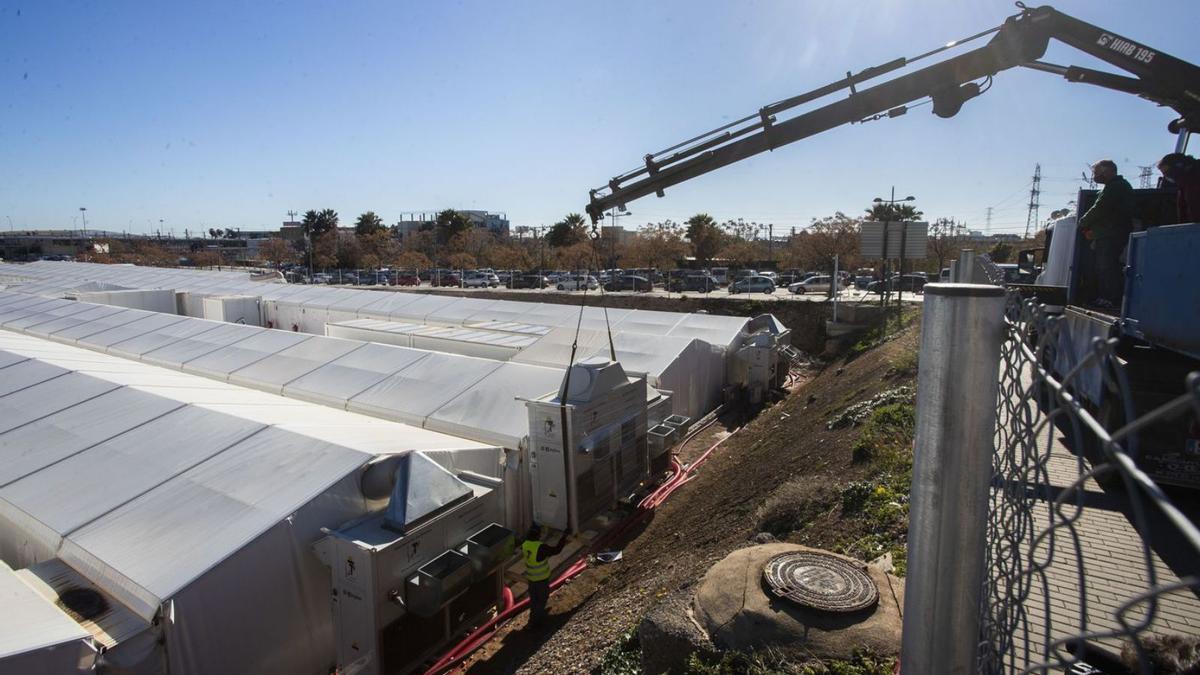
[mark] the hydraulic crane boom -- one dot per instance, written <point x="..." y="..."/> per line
<point x="1020" y="41"/>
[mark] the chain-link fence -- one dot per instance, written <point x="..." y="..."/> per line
<point x="1089" y="565"/>
<point x="1041" y="538"/>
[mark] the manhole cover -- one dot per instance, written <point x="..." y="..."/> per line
<point x="820" y="581"/>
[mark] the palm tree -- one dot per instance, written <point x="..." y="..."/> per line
<point x="883" y="211"/>
<point x="569" y="231"/>
<point x="367" y="224"/>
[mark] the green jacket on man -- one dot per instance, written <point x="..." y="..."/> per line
<point x="1111" y="216"/>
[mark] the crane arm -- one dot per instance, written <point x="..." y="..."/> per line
<point x="1020" y="41"/>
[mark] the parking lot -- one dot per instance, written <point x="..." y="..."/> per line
<point x="780" y="295"/>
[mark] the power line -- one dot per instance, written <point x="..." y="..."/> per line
<point x="1145" y="176"/>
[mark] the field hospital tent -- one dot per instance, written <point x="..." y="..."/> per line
<point x="468" y="326"/>
<point x="188" y="506"/>
<point x="424" y="388"/>
<point x="692" y="370"/>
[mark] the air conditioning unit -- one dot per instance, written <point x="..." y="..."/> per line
<point x="603" y="454"/>
<point x="406" y="580"/>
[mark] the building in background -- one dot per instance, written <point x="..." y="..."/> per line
<point x="411" y="223"/>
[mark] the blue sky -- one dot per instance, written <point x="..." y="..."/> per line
<point x="229" y="114"/>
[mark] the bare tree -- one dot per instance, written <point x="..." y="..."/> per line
<point x="659" y="246"/>
<point x="945" y="239"/>
<point x="816" y="246"/>
<point x="276" y="251"/>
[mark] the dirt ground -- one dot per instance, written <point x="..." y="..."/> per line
<point x="789" y="442"/>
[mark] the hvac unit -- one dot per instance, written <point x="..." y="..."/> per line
<point x="406" y="580"/>
<point x="753" y="368"/>
<point x="605" y="439"/>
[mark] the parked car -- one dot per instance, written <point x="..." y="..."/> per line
<point x="704" y="283"/>
<point x="576" y="282"/>
<point x="754" y="284"/>
<point x="480" y="280"/>
<point x="629" y="282"/>
<point x="1012" y="273"/>
<point x="910" y="282"/>
<point x="817" y="284"/>
<point x="407" y="279"/>
<point x="862" y="281"/>
<point x="721" y="274"/>
<point x="531" y="281"/>
<point x="448" y="279"/>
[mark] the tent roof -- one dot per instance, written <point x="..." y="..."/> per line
<point x="722" y="331"/>
<point x="157" y="476"/>
<point x="449" y="392"/>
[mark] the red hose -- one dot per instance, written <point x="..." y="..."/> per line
<point x="679" y="476"/>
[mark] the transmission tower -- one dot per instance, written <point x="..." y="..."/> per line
<point x="988" y="226"/>
<point x="1034" y="191"/>
<point x="1145" y="175"/>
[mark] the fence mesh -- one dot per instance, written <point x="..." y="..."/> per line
<point x="1091" y="568"/>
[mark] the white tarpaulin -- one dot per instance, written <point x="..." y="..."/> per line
<point x="189" y="501"/>
<point x="339" y="380"/>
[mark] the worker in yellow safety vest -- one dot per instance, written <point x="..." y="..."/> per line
<point x="537" y="572"/>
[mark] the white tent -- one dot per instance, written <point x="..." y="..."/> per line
<point x="311" y="309"/>
<point x="428" y="389"/>
<point x="450" y="339"/>
<point x="691" y="369"/>
<point x="189" y="502"/>
<point x="340" y="379"/>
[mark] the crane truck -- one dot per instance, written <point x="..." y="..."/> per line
<point x="1158" y="325"/>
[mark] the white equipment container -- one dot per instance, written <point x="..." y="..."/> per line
<point x="606" y="447"/>
<point x="408" y="579"/>
<point x="245" y="309"/>
<point x="158" y="300"/>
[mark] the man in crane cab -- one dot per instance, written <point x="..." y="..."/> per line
<point x="1107" y="226"/>
<point x="1184" y="171"/>
<point x="537" y="572"/>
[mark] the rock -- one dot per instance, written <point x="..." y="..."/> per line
<point x="735" y="609"/>
<point x="763" y="538"/>
<point x="669" y="634"/>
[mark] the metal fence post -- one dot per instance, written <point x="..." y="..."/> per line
<point x="957" y="387"/>
<point x="966" y="266"/>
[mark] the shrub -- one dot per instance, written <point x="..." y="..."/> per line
<point x="793" y="505"/>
